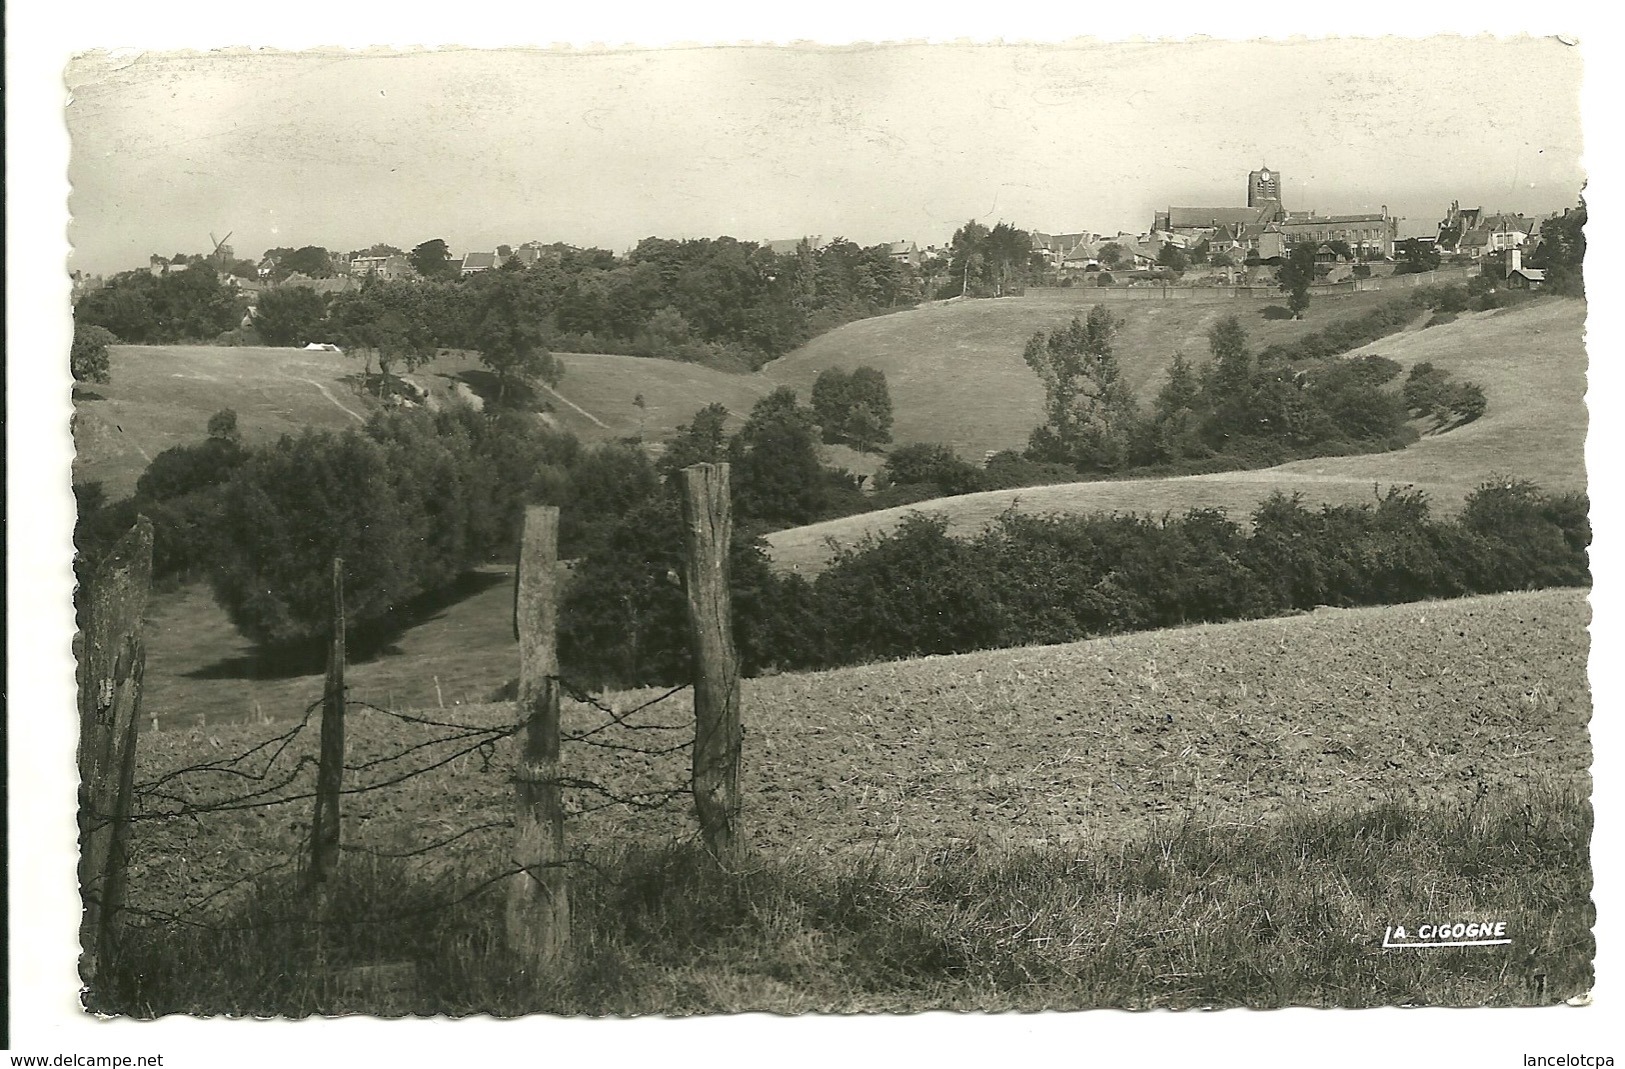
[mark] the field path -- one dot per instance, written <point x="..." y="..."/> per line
<point x="575" y="406"/>
<point x="358" y="417"/>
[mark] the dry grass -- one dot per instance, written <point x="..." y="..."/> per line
<point x="1091" y="741"/>
<point x="956" y="374"/>
<point x="1530" y="360"/>
<point x="200" y="670"/>
<point x="163" y="395"/>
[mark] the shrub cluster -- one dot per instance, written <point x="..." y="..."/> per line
<point x="1043" y="579"/>
<point x="1429" y="392"/>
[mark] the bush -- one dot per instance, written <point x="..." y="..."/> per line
<point x="930" y="463"/>
<point x="88" y="360"/>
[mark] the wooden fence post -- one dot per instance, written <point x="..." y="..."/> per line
<point x="708" y="525"/>
<point x="112" y="661"/>
<point x="324" y="832"/>
<point x="538" y="907"/>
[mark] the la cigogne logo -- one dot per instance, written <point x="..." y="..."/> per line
<point x="1478" y="933"/>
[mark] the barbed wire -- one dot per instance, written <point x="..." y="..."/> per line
<point x="165" y="798"/>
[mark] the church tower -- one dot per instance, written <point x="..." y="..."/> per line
<point x="1264" y="189"/>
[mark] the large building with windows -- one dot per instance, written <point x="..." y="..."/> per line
<point x="1267" y="228"/>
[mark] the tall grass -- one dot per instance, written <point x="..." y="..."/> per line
<point x="1288" y="913"/>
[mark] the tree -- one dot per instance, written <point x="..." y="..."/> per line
<point x="1417" y="256"/>
<point x="703" y="440"/>
<point x="1561" y="252"/>
<point x="931" y="463"/>
<point x="853" y="407"/>
<point x="312" y="261"/>
<point x="380" y="249"/>
<point x="222" y="427"/>
<point x="1174" y="411"/>
<point x="1295" y="276"/>
<point x="191" y="304"/>
<point x="1089" y="410"/>
<point x="291" y="315"/>
<point x="1111" y="254"/>
<point x="378" y="322"/>
<point x="432" y="259"/>
<point x="869" y="421"/>
<point x="778" y="479"/>
<point x="1173" y="258"/>
<point x="509" y="330"/>
<point x="830" y="402"/>
<point x="88" y="360"/>
<point x="1231" y="372"/>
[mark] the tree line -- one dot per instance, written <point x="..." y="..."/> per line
<point x="415" y="498"/>
<point x="1027" y="580"/>
<point x="1240" y="408"/>
<point x="725" y="303"/>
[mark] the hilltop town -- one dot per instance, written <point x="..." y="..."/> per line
<point x="1242" y="245"/>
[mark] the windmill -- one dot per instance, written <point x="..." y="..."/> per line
<point x="222" y="251"/>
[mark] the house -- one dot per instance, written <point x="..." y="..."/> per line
<point x="1369" y="235"/>
<point x="904" y="252"/>
<point x="475" y="262"/>
<point x="1518" y="276"/>
<point x="1056" y="247"/>
<point x="788" y="246"/>
<point x="385" y="267"/>
<point x="340" y="284"/>
<point x="1474" y="243"/>
<point x="1526" y="278"/>
<point x="1198" y="223"/>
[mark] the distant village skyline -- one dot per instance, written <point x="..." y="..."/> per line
<point x="1423" y="224"/>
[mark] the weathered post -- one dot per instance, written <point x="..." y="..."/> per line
<point x="708" y="525"/>
<point x="112" y="660"/>
<point x="324" y="833"/>
<point x="538" y="908"/>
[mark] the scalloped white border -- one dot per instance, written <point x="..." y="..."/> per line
<point x="39" y="39"/>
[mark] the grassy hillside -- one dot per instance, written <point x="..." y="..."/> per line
<point x="1531" y="361"/>
<point x="200" y="670"/>
<point x="595" y="398"/>
<point x="956" y="374"/>
<point x="163" y="395"/>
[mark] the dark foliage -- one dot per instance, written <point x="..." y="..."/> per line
<point x="291" y="315"/>
<point x="854" y="408"/>
<point x="188" y="305"/>
<point x="88" y="360"/>
<point x="1039" y="579"/>
<point x="931" y="464"/>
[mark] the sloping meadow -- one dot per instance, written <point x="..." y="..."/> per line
<point x="1224" y="814"/>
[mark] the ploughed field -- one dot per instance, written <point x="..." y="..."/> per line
<point x="1074" y="745"/>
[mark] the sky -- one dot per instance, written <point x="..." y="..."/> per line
<point x="874" y="143"/>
